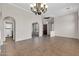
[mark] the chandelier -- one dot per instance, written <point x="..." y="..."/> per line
<point x="38" y="8"/>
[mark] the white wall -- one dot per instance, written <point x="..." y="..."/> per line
<point x="0" y="24"/>
<point x="66" y="25"/>
<point x="23" y="20"/>
<point x="78" y="23"/>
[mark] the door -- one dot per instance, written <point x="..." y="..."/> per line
<point x="35" y="30"/>
<point x="8" y="28"/>
<point x="44" y="29"/>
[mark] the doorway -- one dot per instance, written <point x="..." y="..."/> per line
<point x="9" y="28"/>
<point x="35" y="30"/>
<point x="44" y="29"/>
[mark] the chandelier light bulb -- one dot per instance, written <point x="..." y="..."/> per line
<point x="31" y="5"/>
<point x="42" y="5"/>
<point x="34" y="4"/>
<point x="34" y="9"/>
<point x="46" y="6"/>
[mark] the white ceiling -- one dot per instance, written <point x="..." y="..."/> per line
<point x="54" y="9"/>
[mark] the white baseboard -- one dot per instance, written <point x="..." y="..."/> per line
<point x="20" y="39"/>
<point x="1" y="43"/>
<point x="69" y="36"/>
<point x="52" y="33"/>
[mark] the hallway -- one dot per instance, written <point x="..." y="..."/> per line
<point x="45" y="46"/>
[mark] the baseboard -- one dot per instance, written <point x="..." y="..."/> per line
<point x="20" y="39"/>
<point x="1" y="43"/>
<point x="0" y="48"/>
<point x="68" y="36"/>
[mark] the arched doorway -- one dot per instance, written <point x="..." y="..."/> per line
<point x="9" y="28"/>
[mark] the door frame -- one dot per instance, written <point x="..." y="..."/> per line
<point x="10" y="19"/>
<point x="33" y="29"/>
<point x="46" y="29"/>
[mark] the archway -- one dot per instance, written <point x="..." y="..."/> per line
<point x="9" y="28"/>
